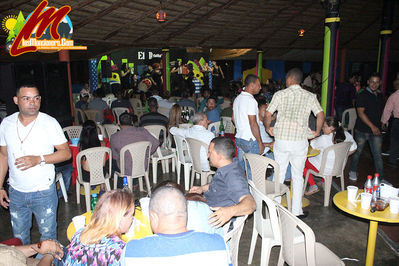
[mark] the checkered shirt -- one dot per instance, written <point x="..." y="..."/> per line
<point x="293" y="106"/>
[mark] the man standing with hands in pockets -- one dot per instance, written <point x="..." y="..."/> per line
<point x="291" y="131"/>
<point x="27" y="142"/>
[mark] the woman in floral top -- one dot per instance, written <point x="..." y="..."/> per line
<point x="99" y="243"/>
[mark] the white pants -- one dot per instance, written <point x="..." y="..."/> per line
<point x="293" y="152"/>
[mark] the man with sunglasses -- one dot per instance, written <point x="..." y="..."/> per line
<point x="27" y="142"/>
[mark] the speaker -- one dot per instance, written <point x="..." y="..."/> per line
<point x="106" y="69"/>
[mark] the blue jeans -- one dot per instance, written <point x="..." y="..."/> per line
<point x="245" y="146"/>
<point x="375" y="143"/>
<point x="43" y="204"/>
<point x="66" y="171"/>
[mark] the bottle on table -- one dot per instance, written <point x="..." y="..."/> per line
<point x="376" y="186"/>
<point x="93" y="201"/>
<point x="368" y="186"/>
<point x="221" y="128"/>
<point x="125" y="183"/>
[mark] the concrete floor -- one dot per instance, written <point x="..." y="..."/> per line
<point x="344" y="234"/>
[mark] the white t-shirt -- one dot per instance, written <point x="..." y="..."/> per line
<point x="323" y="142"/>
<point x="45" y="133"/>
<point x="243" y="106"/>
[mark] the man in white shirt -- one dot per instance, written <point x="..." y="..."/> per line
<point x="200" y="132"/>
<point x="27" y="142"/>
<point x="246" y="118"/>
<point x="163" y="103"/>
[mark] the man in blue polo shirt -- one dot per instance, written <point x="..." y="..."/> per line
<point x="228" y="193"/>
<point x="172" y="243"/>
<point x="369" y="107"/>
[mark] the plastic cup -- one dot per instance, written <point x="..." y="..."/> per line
<point x="365" y="200"/>
<point x="79" y="222"/>
<point x="100" y="137"/>
<point x="394" y="205"/>
<point x="352" y="192"/>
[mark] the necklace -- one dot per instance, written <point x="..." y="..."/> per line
<point x="30" y="130"/>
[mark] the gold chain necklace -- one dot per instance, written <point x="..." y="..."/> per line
<point x="22" y="141"/>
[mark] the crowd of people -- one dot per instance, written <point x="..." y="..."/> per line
<point x="269" y="121"/>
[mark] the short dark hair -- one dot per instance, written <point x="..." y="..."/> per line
<point x="296" y="74"/>
<point x="261" y="100"/>
<point x="224" y="146"/>
<point x="251" y="78"/>
<point x="126" y="119"/>
<point x="212" y="98"/>
<point x="152" y="102"/>
<point x="25" y="86"/>
<point x="375" y="75"/>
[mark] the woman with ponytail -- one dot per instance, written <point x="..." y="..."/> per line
<point x="333" y="133"/>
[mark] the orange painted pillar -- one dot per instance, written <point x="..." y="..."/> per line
<point x="63" y="56"/>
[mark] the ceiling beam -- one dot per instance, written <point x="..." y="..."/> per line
<point x="100" y="14"/>
<point x="356" y="35"/>
<point x="200" y="20"/>
<point x="262" y="23"/>
<point x="7" y="5"/>
<point x="277" y="29"/>
<point x="169" y="22"/>
<point x="127" y="24"/>
<point x="81" y="4"/>
<point x="223" y="29"/>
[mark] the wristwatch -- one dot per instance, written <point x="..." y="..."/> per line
<point x="42" y="162"/>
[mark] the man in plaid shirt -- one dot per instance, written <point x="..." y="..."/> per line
<point x="291" y="131"/>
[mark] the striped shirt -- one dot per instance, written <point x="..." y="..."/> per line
<point x="294" y="106"/>
<point x="188" y="248"/>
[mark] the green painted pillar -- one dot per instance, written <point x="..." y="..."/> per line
<point x="166" y="69"/>
<point x="385" y="42"/>
<point x="331" y="33"/>
<point x="259" y="66"/>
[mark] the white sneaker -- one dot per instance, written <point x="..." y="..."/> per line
<point x="352" y="176"/>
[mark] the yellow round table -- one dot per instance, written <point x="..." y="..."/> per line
<point x="142" y="227"/>
<point x="305" y="202"/>
<point x="341" y="201"/>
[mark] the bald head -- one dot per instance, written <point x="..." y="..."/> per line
<point x="168" y="210"/>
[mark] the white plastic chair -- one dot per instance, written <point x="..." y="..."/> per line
<point x="228" y="125"/>
<point x="137" y="106"/>
<point x="185" y="125"/>
<point x="92" y="114"/>
<point x="82" y="116"/>
<point x="183" y="158"/>
<point x="95" y="159"/>
<point x="194" y="149"/>
<point x="59" y="178"/>
<point x="340" y="150"/>
<point x="111" y="129"/>
<point x="267" y="226"/>
<point x="232" y="238"/>
<point x="73" y="131"/>
<point x="164" y="111"/>
<point x="162" y="154"/>
<point x="258" y="165"/>
<point x="310" y="252"/>
<point x="117" y="111"/>
<point x="140" y="155"/>
<point x="214" y="127"/>
<point x="351" y="113"/>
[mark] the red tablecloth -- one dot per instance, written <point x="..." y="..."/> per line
<point x="75" y="151"/>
